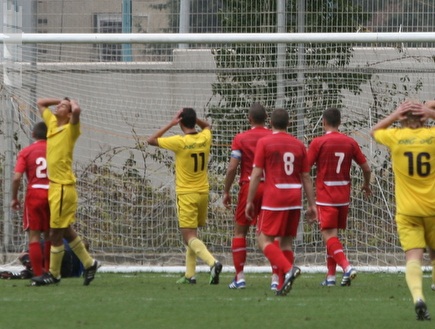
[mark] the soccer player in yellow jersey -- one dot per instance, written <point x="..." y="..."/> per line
<point x="63" y="131"/>
<point x="191" y="151"/>
<point x="412" y="148"/>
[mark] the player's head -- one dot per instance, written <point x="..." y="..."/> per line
<point x="279" y="119"/>
<point x="332" y="117"/>
<point x="412" y="121"/>
<point x="39" y="131"/>
<point x="257" y="114"/>
<point x="188" y="117"/>
<point x="409" y="119"/>
<point x="63" y="109"/>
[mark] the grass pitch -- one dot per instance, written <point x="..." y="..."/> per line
<point x="153" y="300"/>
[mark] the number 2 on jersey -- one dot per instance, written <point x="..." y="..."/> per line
<point x="41" y="167"/>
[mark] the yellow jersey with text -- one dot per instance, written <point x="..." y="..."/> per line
<point x="192" y="153"/>
<point x="60" y="148"/>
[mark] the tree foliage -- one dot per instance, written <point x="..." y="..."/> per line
<point x="250" y="72"/>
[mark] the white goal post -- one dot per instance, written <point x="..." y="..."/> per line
<point x="220" y="38"/>
<point x="126" y="188"/>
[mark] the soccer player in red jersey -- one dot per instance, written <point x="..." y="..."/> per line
<point x="31" y="162"/>
<point x="282" y="159"/>
<point x="333" y="154"/>
<point x="242" y="155"/>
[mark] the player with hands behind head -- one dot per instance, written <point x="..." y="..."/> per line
<point x="63" y="126"/>
<point x="192" y="151"/>
<point x="412" y="148"/>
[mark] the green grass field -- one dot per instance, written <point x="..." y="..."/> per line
<point x="153" y="300"/>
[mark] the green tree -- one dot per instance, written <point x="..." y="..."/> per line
<point x="248" y="72"/>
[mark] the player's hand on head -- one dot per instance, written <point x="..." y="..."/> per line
<point x="177" y="117"/>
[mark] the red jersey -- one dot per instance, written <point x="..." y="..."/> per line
<point x="31" y="161"/>
<point x="243" y="149"/>
<point x="333" y="154"/>
<point x="283" y="159"/>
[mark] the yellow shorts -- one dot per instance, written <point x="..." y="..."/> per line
<point x="63" y="204"/>
<point x="192" y="210"/>
<point x="416" y="232"/>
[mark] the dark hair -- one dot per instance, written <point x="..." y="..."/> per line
<point x="279" y="119"/>
<point x="40" y="130"/>
<point x="332" y="116"/>
<point x="257" y="113"/>
<point x="188" y="117"/>
<point x="69" y="100"/>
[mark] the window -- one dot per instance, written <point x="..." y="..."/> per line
<point x="109" y="23"/>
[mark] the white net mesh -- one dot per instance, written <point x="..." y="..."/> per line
<point x="126" y="188"/>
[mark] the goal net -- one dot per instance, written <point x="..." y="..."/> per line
<point x="126" y="187"/>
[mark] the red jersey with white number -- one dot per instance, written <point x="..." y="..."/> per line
<point x="31" y="161"/>
<point x="333" y="154"/>
<point x="243" y="149"/>
<point x="283" y="159"/>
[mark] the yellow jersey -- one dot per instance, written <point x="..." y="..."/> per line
<point x="413" y="161"/>
<point x="192" y="153"/>
<point x="60" y="148"/>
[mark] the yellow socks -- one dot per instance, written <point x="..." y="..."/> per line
<point x="201" y="251"/>
<point x="414" y="279"/>
<point x="56" y="256"/>
<point x="433" y="271"/>
<point x="190" y="263"/>
<point x="78" y="247"/>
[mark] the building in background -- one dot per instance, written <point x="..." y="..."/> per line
<point x="98" y="16"/>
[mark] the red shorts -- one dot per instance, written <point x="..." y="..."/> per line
<point x="36" y="215"/>
<point x="240" y="217"/>
<point x="279" y="223"/>
<point x="332" y="217"/>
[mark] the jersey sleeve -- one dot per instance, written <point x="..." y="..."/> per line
<point x="172" y="143"/>
<point x="259" y="155"/>
<point x="383" y="136"/>
<point x="358" y="156"/>
<point x="20" y="166"/>
<point x="313" y="151"/>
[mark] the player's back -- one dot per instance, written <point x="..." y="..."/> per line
<point x="32" y="159"/>
<point x="283" y="159"/>
<point x="191" y="160"/>
<point x="246" y="143"/>
<point x="333" y="153"/>
<point x="413" y="157"/>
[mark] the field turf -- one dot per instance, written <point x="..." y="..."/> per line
<point x="153" y="300"/>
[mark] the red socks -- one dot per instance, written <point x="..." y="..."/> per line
<point x="334" y="249"/>
<point x="277" y="257"/>
<point x="36" y="258"/>
<point x="238" y="247"/>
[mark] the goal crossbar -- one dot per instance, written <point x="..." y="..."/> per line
<point x="218" y="38"/>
